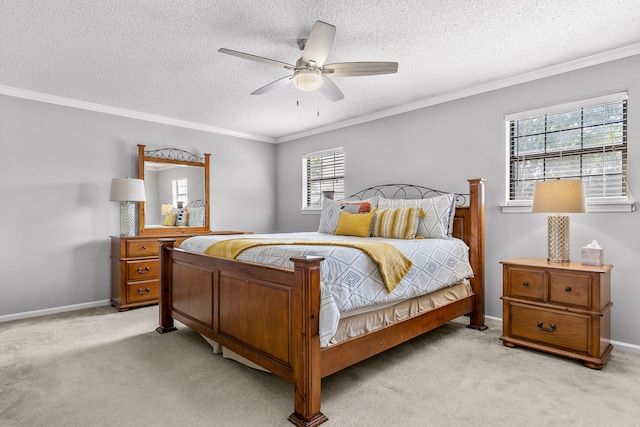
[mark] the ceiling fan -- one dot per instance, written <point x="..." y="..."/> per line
<point x="310" y="72"/>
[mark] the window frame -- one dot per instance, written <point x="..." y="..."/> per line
<point x="324" y="155"/>
<point x="176" y="185"/>
<point x="598" y="204"/>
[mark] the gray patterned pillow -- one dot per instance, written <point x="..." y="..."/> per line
<point x="196" y="217"/>
<point x="438" y="213"/>
<point x="329" y="216"/>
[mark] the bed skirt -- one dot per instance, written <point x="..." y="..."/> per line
<point x="361" y="322"/>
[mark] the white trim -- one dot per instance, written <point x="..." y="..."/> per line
<point x="623" y="346"/>
<point x="310" y="211"/>
<point x="90" y="106"/>
<point x="613" y="207"/>
<point x="324" y="152"/>
<point x="53" y="310"/>
<point x="600" y="58"/>
<point x="605" y="99"/>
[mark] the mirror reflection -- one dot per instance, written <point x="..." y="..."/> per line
<point x="171" y="188"/>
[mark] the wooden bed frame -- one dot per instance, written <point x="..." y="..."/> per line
<point x="269" y="315"/>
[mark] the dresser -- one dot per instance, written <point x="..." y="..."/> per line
<point x="135" y="268"/>
<point x="559" y="308"/>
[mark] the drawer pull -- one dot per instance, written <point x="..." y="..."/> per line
<point x="146" y="291"/>
<point x="552" y="329"/>
<point x="143" y="271"/>
<point x="525" y="284"/>
<point x="144" y="248"/>
<point x="568" y="289"/>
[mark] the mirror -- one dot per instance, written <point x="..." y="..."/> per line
<point x="177" y="190"/>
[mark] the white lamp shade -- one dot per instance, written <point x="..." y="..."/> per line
<point x="127" y="190"/>
<point x="559" y="195"/>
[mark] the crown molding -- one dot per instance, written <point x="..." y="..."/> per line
<point x="601" y="58"/>
<point x="90" y="106"/>
<point x="588" y="61"/>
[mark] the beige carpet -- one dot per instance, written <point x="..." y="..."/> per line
<point x="98" y="367"/>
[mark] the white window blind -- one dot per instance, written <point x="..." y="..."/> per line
<point x="322" y="171"/>
<point x="586" y="141"/>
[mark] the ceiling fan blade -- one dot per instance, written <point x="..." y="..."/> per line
<point x="319" y="43"/>
<point x="330" y="90"/>
<point x="273" y="85"/>
<point x="257" y="58"/>
<point x="352" y="69"/>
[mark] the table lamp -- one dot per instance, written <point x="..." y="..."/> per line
<point x="127" y="191"/>
<point x="166" y="208"/>
<point x="559" y="196"/>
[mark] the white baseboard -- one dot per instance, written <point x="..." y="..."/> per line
<point x="618" y="345"/>
<point x="623" y="346"/>
<point x="53" y="310"/>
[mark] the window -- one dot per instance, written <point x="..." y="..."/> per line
<point x="585" y="140"/>
<point x="179" y="189"/>
<point x="322" y="171"/>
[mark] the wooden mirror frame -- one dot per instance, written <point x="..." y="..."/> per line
<point x="178" y="157"/>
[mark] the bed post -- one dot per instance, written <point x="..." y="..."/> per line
<point x="305" y="343"/>
<point x="166" y="321"/>
<point x="476" y="255"/>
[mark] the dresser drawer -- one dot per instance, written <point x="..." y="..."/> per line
<point x="143" y="291"/>
<point x="146" y="269"/>
<point x="559" y="329"/>
<point x="526" y="283"/>
<point x="570" y="289"/>
<point x="142" y="248"/>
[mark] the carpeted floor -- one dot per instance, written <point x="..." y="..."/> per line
<point x="99" y="367"/>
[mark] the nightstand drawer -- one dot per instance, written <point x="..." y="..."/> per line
<point x="143" y="270"/>
<point x="526" y="283"/>
<point x="570" y="289"/>
<point x="559" y="329"/>
<point x="142" y="248"/>
<point x="143" y="291"/>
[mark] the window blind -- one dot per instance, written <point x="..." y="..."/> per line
<point x="587" y="142"/>
<point x="322" y="171"/>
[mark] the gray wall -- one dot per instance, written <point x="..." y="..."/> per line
<point x="56" y="166"/>
<point x="443" y="145"/>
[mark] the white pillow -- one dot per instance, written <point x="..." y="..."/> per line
<point x="438" y="213"/>
<point x="196" y="217"/>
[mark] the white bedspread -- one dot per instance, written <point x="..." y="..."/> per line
<point x="350" y="279"/>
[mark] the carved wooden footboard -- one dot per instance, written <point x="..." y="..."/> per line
<point x="269" y="315"/>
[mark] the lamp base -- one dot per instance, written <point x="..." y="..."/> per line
<point x="127" y="219"/>
<point x="558" y="239"/>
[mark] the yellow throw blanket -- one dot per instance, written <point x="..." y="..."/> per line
<point x="392" y="263"/>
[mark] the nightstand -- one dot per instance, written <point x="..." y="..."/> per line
<point x="560" y="308"/>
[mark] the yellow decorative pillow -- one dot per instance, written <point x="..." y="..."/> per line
<point x="169" y="220"/>
<point x="399" y="223"/>
<point x="351" y="224"/>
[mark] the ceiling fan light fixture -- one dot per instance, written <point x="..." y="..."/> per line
<point x="307" y="79"/>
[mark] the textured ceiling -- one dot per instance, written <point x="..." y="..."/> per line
<point x="160" y="56"/>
